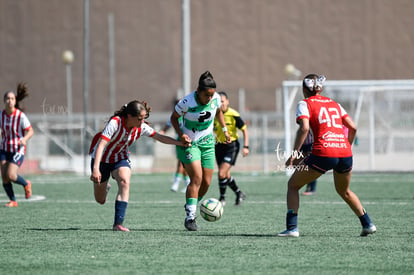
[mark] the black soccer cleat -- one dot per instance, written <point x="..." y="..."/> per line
<point x="222" y="200"/>
<point x="191" y="225"/>
<point x="240" y="196"/>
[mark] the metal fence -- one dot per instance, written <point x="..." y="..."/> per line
<point x="383" y="110"/>
<point x="59" y="143"/>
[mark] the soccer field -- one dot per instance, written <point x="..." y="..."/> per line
<point x="62" y="230"/>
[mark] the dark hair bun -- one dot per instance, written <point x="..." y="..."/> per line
<point x="206" y="81"/>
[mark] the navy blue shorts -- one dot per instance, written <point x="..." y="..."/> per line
<point x="107" y="168"/>
<point x="16" y="158"/>
<point x="324" y="164"/>
<point x="306" y="148"/>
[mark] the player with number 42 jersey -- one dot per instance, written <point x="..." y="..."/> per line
<point x="325" y="119"/>
<point x="331" y="151"/>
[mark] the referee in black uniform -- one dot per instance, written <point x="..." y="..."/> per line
<point x="226" y="153"/>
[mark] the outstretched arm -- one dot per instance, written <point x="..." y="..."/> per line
<point x="169" y="140"/>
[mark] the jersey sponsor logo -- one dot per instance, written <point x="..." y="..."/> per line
<point x="334" y="145"/>
<point x="329" y="136"/>
<point x="334" y="140"/>
<point x="204" y="116"/>
<point x="320" y="100"/>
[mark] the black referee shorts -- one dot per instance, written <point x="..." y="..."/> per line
<point x="227" y="152"/>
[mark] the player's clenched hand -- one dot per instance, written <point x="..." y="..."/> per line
<point x="185" y="140"/>
<point x="185" y="144"/>
<point x="289" y="162"/>
<point x="96" y="176"/>
<point x="228" y="138"/>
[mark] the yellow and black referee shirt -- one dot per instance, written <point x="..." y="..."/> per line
<point x="233" y="122"/>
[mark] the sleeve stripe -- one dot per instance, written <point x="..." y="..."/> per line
<point x="301" y="117"/>
<point x="105" y="138"/>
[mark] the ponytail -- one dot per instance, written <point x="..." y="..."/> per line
<point x="133" y="108"/>
<point x="22" y="93"/>
<point x="206" y="81"/>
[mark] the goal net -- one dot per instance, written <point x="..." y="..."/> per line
<point x="383" y="111"/>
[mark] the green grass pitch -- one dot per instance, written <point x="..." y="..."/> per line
<point x="63" y="231"/>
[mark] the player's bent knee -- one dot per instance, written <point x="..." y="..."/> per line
<point x="195" y="183"/>
<point x="12" y="177"/>
<point x="222" y="175"/>
<point x="344" y="193"/>
<point x="123" y="183"/>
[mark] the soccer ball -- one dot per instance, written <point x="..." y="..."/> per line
<point x="211" y="210"/>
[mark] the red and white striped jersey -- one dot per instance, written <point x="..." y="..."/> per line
<point x="325" y="119"/>
<point x="119" y="139"/>
<point x="12" y="130"/>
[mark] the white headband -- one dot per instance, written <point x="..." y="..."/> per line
<point x="312" y="83"/>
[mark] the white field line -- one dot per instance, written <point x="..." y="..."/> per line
<point x="36" y="198"/>
<point x="20" y="198"/>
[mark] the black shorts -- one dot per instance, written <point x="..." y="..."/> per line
<point x="107" y="168"/>
<point x="324" y="164"/>
<point x="227" y="152"/>
<point x="12" y="157"/>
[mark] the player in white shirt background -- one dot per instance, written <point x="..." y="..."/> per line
<point x="16" y="130"/>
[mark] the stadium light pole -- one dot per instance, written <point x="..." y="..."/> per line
<point x="85" y="78"/>
<point x="186" y="46"/>
<point x="68" y="59"/>
<point x="112" y="72"/>
<point x="293" y="74"/>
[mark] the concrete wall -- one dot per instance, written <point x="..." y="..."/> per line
<point x="244" y="43"/>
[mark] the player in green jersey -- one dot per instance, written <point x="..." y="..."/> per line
<point x="198" y="110"/>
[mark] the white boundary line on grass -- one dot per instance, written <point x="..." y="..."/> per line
<point x="33" y="198"/>
<point x="43" y="198"/>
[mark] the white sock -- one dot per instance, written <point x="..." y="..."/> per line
<point x="187" y="180"/>
<point x="190" y="210"/>
<point x="176" y="182"/>
<point x="177" y="179"/>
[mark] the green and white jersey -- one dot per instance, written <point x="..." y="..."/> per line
<point x="198" y="120"/>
